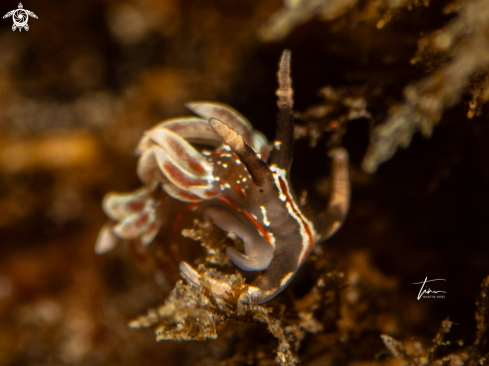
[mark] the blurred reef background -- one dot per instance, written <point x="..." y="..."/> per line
<point x="400" y="83"/>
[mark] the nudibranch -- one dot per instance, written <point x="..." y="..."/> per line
<point x="233" y="185"/>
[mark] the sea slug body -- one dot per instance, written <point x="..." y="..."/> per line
<point x="242" y="185"/>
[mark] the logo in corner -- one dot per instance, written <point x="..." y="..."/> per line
<point x="20" y="17"/>
<point x="426" y="293"/>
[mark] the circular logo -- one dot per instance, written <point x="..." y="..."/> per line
<point x="20" y="18"/>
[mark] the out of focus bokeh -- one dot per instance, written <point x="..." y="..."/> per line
<point x="401" y="84"/>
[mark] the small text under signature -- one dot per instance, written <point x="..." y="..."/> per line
<point x="427" y="290"/>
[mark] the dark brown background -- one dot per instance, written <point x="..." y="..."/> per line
<point x="79" y="88"/>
